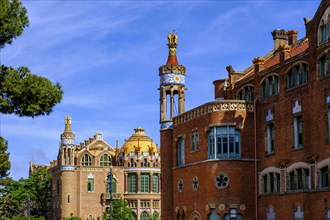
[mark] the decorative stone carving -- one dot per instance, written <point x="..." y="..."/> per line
<point x="195" y="183"/>
<point x="242" y="207"/>
<point x="269" y="116"/>
<point x="180" y="185"/>
<point x="222" y="207"/>
<point x="299" y="214"/>
<point x="271" y="215"/>
<point x="296" y="108"/>
<point x="221" y="180"/>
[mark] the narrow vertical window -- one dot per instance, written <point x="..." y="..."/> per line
<point x="324" y="176"/>
<point x="90" y="185"/>
<point x="180" y="152"/>
<point x="322" y="65"/>
<point x="297" y="132"/>
<point x="155" y="183"/>
<point x="328" y="114"/>
<point x="270" y="139"/>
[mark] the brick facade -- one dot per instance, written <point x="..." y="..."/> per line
<point x="263" y="149"/>
<point x="80" y="175"/>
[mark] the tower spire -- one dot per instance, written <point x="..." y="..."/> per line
<point x="172" y="44"/>
<point x="172" y="85"/>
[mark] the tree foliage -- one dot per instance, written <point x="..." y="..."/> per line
<point x="13" y="20"/>
<point x="26" y="94"/>
<point x="72" y="217"/>
<point x="32" y="192"/>
<point x="120" y="211"/>
<point x="4" y="162"/>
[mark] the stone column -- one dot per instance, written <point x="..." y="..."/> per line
<point x="159" y="184"/>
<point x="126" y="182"/>
<point x="138" y="182"/>
<point x="150" y="181"/>
<point x="138" y="208"/>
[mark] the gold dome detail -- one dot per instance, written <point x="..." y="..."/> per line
<point x="139" y="143"/>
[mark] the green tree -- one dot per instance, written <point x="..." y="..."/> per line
<point x="33" y="192"/>
<point x="72" y="217"/>
<point x="13" y="20"/>
<point x="120" y="211"/>
<point x="4" y="162"/>
<point x="21" y="93"/>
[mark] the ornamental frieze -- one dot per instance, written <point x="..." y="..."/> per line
<point x="217" y="106"/>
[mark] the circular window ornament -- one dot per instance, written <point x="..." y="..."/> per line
<point x="221" y="180"/>
<point x="195" y="183"/>
<point x="180" y="185"/>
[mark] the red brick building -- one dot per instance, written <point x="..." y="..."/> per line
<point x="261" y="149"/>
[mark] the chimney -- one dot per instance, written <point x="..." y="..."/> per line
<point x="258" y="64"/>
<point x="292" y="36"/>
<point x="279" y="37"/>
<point x="284" y="52"/>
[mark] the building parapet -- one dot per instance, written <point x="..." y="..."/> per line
<point x="215" y="106"/>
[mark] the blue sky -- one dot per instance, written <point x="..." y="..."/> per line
<point x="106" y="56"/>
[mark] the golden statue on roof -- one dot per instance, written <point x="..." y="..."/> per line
<point x="172" y="39"/>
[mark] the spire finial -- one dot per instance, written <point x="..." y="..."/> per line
<point x="67" y="123"/>
<point x="172" y="42"/>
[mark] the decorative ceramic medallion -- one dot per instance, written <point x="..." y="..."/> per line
<point x="180" y="185"/>
<point x="221" y="180"/>
<point x="195" y="183"/>
<point x="172" y="78"/>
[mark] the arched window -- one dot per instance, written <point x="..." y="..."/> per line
<point x="155" y="216"/>
<point x="246" y="93"/>
<point x="132" y="183"/>
<point x="299" y="179"/>
<point x="297" y="75"/>
<point x="270" y="86"/>
<point x="134" y="215"/>
<point x="144" y="216"/>
<point x="86" y="160"/>
<point x="145" y="162"/>
<point x="271" y="182"/>
<point x="105" y="161"/>
<point x="113" y="185"/>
